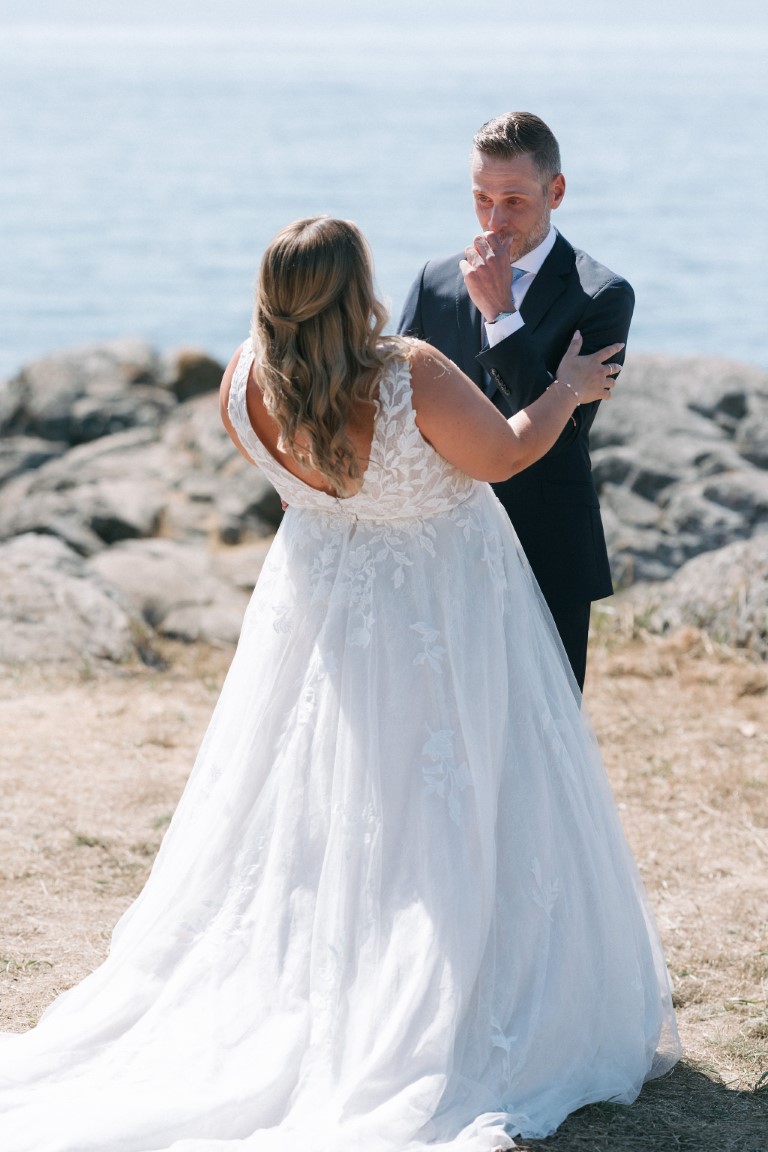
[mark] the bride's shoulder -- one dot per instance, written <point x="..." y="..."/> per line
<point x="429" y="366"/>
<point x="408" y="350"/>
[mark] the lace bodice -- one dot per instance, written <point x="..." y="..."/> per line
<point x="405" y="477"/>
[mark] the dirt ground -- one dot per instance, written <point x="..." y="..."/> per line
<point x="92" y="762"/>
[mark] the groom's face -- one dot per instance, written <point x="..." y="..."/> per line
<point x="514" y="200"/>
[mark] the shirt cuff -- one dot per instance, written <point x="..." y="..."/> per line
<point x="499" y="331"/>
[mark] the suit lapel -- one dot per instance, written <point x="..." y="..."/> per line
<point x="549" y="283"/>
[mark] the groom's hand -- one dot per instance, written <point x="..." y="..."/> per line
<point x="487" y="274"/>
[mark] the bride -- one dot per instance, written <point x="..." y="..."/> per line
<point x="395" y="909"/>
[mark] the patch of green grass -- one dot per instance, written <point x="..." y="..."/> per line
<point x="83" y="841"/>
<point x="10" y="965"/>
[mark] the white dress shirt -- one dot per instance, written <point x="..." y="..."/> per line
<point x="530" y="263"/>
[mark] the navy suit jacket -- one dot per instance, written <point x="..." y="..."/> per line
<point x="553" y="504"/>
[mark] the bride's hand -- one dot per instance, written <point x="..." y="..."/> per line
<point x="589" y="376"/>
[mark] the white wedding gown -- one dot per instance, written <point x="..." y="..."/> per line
<point x="395" y="910"/>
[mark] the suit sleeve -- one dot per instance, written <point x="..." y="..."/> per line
<point x="606" y="321"/>
<point x="521" y="363"/>
<point x="411" y="321"/>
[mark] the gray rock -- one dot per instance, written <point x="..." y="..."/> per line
<point x="155" y="576"/>
<point x="24" y="453"/>
<point x="745" y="493"/>
<point x="87" y="516"/>
<point x="724" y="592"/>
<point x="88" y="496"/>
<point x="134" y="452"/>
<point x="651" y="401"/>
<point x="658" y="398"/>
<point x="247" y="506"/>
<point x="177" y="588"/>
<point x="622" y="465"/>
<point x="241" y="566"/>
<point x="211" y="623"/>
<point x="628" y="508"/>
<point x="85" y="393"/>
<point x="54" y="610"/>
<point x="188" y="372"/>
<point x="685" y="435"/>
<point x="195" y="431"/>
<point x="185" y="482"/>
<point x="612" y="465"/>
<point x="125" y="509"/>
<point x="751" y="436"/>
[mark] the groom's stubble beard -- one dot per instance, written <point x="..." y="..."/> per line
<point x="518" y="246"/>
<point x="521" y="243"/>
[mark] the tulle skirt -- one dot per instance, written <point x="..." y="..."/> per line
<point x="395" y="908"/>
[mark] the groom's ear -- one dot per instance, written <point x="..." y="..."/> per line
<point x="557" y="191"/>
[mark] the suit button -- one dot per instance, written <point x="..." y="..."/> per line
<point x="498" y="380"/>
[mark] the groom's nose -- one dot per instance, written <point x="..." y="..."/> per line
<point x="495" y="219"/>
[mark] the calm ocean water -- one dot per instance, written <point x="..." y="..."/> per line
<point x="147" y="157"/>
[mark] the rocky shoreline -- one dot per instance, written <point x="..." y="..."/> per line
<point x="127" y="516"/>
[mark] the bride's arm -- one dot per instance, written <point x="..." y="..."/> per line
<point x="467" y="430"/>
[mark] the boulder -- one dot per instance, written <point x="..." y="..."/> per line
<point x="188" y="372"/>
<point x="180" y="590"/>
<point x="84" y="393"/>
<point x="241" y="566"/>
<point x="679" y="461"/>
<point x="87" y="516"/>
<point x="247" y="505"/>
<point x="195" y="432"/>
<point x="53" y="609"/>
<point x="725" y="593"/>
<point x="751" y="435"/>
<point x="659" y="397"/>
<point x="242" y="503"/>
<point x="24" y="453"/>
<point x="185" y="481"/>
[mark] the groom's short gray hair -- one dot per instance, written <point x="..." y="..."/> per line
<point x="519" y="134"/>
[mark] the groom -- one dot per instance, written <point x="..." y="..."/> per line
<point x="505" y="312"/>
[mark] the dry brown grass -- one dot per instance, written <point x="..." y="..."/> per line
<point x="92" y="764"/>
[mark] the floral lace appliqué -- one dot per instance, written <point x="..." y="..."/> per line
<point x="543" y="892"/>
<point x="443" y="776"/>
<point x="432" y="652"/>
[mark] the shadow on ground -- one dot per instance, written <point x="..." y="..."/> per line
<point x="686" y="1111"/>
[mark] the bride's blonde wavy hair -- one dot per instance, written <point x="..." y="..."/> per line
<point x="317" y="333"/>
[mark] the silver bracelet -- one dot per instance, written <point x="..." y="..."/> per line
<point x="569" y="386"/>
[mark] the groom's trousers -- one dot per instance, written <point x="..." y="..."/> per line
<point x="572" y="623"/>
